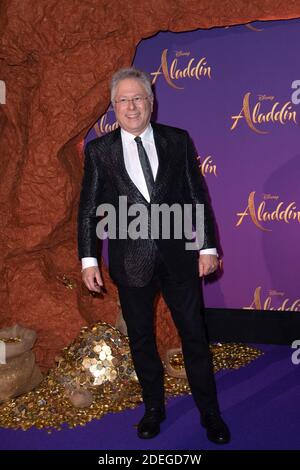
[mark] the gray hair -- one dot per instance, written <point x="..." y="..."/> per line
<point x="130" y="72"/>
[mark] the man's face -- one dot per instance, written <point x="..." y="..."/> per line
<point x="132" y="117"/>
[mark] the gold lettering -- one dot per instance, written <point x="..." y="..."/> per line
<point x="207" y="166"/>
<point x="245" y="113"/>
<point x="275" y="292"/>
<point x="103" y="127"/>
<point x="250" y="210"/>
<point x="181" y="53"/>
<point x="262" y="215"/>
<point x="270" y="196"/>
<point x="290" y="213"/>
<point x="165" y="71"/>
<point x="283" y="115"/>
<point x="295" y="307"/>
<point x="256" y="303"/>
<point x="265" y="97"/>
<point x="267" y="304"/>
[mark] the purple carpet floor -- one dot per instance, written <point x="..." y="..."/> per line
<point x="260" y="403"/>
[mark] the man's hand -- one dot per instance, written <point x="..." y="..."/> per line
<point x="92" y="278"/>
<point x="207" y="264"/>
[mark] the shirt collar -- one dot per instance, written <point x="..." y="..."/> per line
<point x="146" y="135"/>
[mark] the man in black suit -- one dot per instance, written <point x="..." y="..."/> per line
<point x="151" y="164"/>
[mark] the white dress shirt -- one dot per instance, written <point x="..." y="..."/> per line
<point x="134" y="170"/>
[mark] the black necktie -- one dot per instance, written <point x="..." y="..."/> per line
<point x="145" y="164"/>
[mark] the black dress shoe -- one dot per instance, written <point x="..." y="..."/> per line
<point x="149" y="426"/>
<point x="216" y="429"/>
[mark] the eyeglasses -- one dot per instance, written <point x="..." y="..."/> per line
<point x="137" y="100"/>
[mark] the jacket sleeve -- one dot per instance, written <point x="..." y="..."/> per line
<point x="90" y="197"/>
<point x="196" y="192"/>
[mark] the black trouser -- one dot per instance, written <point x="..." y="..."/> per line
<point x="185" y="303"/>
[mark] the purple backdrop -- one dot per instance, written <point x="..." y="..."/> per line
<point x="231" y="88"/>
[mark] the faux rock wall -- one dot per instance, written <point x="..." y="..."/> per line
<point x="56" y="59"/>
